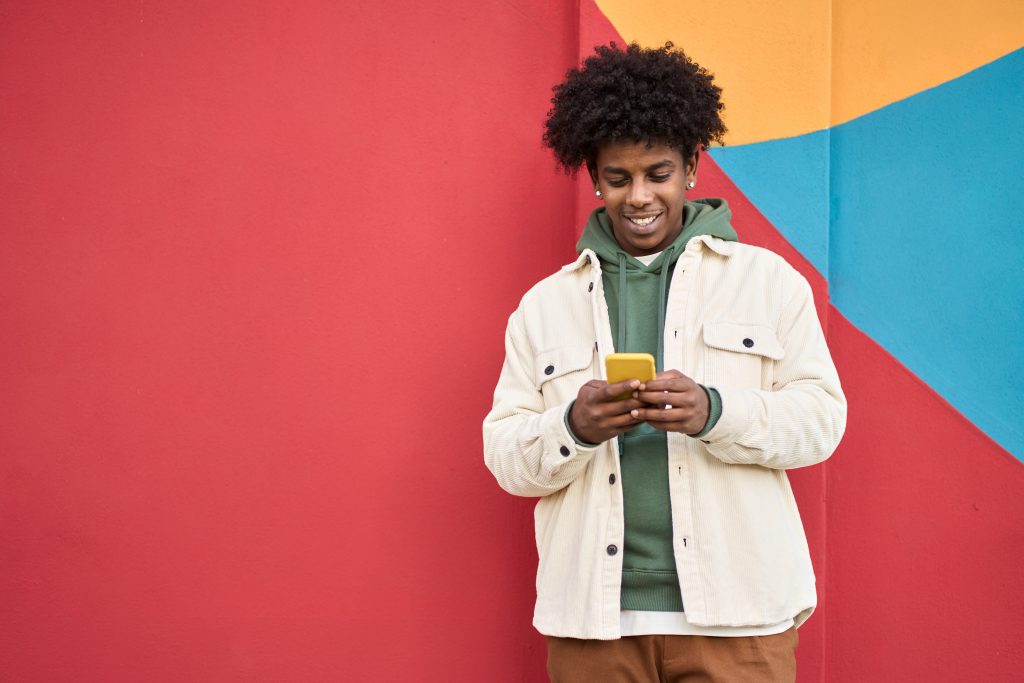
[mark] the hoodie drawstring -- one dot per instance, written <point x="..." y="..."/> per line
<point x="662" y="302"/>
<point x="620" y="342"/>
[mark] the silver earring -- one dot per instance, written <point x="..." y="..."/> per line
<point x="597" y="193"/>
<point x="692" y="184"/>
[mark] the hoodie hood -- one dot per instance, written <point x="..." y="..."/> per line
<point x="633" y="290"/>
<point x="700" y="217"/>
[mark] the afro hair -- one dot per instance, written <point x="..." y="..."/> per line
<point x="640" y="94"/>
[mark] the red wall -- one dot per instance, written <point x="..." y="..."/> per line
<point x="257" y="263"/>
<point x="924" y="526"/>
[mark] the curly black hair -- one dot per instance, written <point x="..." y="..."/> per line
<point x="649" y="94"/>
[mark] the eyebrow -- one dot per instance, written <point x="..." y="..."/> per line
<point x="652" y="167"/>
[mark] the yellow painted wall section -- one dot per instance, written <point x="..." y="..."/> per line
<point x="770" y="59"/>
<point x="888" y="50"/>
<point x="794" y="67"/>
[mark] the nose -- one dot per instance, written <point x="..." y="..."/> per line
<point x="639" y="195"/>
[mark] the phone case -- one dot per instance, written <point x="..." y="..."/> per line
<point x="622" y="366"/>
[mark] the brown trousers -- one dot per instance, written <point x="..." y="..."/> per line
<point x="674" y="659"/>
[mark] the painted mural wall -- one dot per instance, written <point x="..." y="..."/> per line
<point x="882" y="141"/>
<point x="258" y="258"/>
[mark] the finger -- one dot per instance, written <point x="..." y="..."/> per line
<point x="621" y="422"/>
<point x="592" y="386"/>
<point x="612" y="392"/>
<point x="673" y="398"/>
<point x="681" y="427"/>
<point x="684" y="427"/>
<point x="598" y="415"/>
<point x="659" y="415"/>
<point x="613" y="408"/>
<point x="669" y="384"/>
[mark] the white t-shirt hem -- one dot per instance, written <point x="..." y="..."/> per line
<point x="643" y="623"/>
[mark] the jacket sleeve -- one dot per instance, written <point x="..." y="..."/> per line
<point x="802" y="419"/>
<point x="527" y="444"/>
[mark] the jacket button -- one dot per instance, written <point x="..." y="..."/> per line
<point x="748" y="342"/>
<point x="612" y="549"/>
<point x="611" y="478"/>
<point x="551" y="368"/>
<point x="590" y="287"/>
<point x="564" y="451"/>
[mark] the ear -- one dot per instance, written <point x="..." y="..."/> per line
<point x="691" y="165"/>
<point x="592" y="172"/>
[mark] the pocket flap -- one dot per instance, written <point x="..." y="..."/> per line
<point x="743" y="338"/>
<point x="563" y="360"/>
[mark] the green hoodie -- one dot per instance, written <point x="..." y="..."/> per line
<point x="636" y="296"/>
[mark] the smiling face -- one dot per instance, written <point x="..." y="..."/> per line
<point x="643" y="188"/>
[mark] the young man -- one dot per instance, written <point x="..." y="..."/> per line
<point x="670" y="543"/>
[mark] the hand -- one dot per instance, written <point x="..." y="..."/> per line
<point x="673" y="403"/>
<point x="599" y="414"/>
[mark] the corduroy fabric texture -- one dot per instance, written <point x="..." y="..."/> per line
<point x="739" y="319"/>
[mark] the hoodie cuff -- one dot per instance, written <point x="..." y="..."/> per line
<point x="714" y="410"/>
<point x="568" y="428"/>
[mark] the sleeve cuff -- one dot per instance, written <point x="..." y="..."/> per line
<point x="736" y="418"/>
<point x="568" y="428"/>
<point x="714" y="411"/>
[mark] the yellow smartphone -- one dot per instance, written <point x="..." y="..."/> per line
<point x="622" y="366"/>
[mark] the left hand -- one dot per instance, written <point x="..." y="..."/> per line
<point x="674" y="403"/>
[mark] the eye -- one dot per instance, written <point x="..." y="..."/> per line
<point x="617" y="182"/>
<point x="661" y="177"/>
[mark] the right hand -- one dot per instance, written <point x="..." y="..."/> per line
<point x="598" y="414"/>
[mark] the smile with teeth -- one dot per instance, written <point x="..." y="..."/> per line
<point x="645" y="221"/>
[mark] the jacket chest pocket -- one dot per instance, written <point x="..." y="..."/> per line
<point x="559" y="373"/>
<point x="740" y="355"/>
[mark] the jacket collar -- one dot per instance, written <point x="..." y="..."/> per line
<point x="586" y="257"/>
<point x="716" y="244"/>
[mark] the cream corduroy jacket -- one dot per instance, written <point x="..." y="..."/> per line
<point x="738" y="318"/>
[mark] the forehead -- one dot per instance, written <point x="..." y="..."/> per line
<point x="636" y="155"/>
